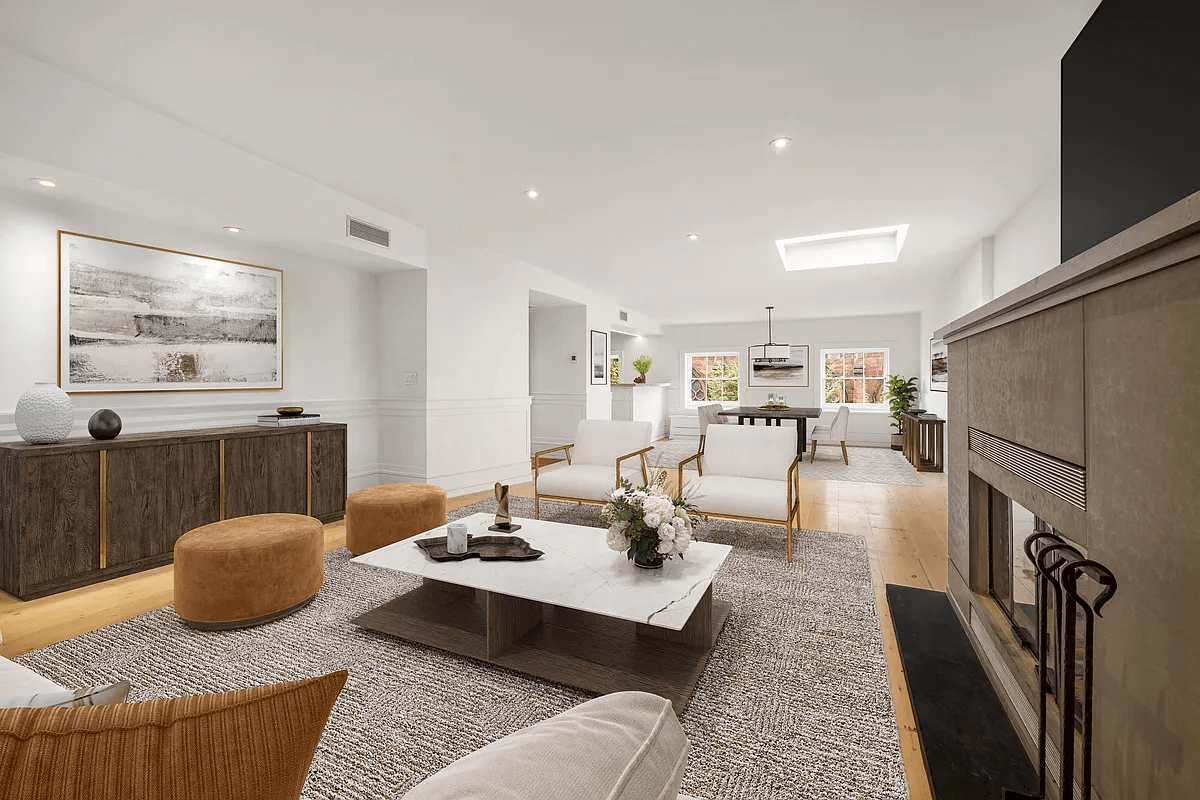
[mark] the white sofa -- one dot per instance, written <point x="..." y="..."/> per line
<point x="622" y="746"/>
<point x="747" y="473"/>
<point x="604" y="452"/>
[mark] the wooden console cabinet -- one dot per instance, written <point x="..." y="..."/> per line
<point x="83" y="511"/>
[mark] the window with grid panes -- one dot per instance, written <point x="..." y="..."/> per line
<point x="712" y="378"/>
<point x="854" y="377"/>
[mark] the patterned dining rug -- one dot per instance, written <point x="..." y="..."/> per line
<point x="867" y="464"/>
<point x="794" y="702"/>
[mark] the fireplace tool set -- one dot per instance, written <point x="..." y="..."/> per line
<point x="1059" y="567"/>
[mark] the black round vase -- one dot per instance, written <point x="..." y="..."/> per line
<point x="654" y="561"/>
<point x="104" y="424"/>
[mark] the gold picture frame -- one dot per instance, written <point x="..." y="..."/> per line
<point x="131" y="330"/>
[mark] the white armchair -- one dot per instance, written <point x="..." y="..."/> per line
<point x="834" y="433"/>
<point x="747" y="473"/>
<point x="709" y="415"/>
<point x="603" y="453"/>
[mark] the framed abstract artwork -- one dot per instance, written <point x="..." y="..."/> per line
<point x="790" y="373"/>
<point x="134" y="318"/>
<point x="599" y="361"/>
<point x="939" y="368"/>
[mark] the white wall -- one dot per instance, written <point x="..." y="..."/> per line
<point x="477" y="389"/>
<point x="557" y="386"/>
<point x="1025" y="246"/>
<point x="898" y="332"/>
<point x="330" y="323"/>
<point x="967" y="288"/>
<point x="402" y="308"/>
<point x="1028" y="243"/>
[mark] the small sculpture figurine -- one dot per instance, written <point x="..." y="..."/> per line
<point x="504" y="522"/>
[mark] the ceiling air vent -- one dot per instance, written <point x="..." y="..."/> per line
<point x="624" y="316"/>
<point x="357" y="229"/>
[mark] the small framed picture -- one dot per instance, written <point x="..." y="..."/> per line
<point x="599" y="362"/>
<point x="939" y="367"/>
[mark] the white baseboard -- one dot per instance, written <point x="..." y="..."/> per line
<point x="481" y="480"/>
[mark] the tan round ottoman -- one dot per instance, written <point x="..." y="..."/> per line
<point x="249" y="570"/>
<point x="382" y="515"/>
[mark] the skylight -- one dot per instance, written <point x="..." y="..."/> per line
<point x="845" y="249"/>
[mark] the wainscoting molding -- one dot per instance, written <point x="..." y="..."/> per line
<point x="463" y="445"/>
<point x="554" y="418"/>
<point x="473" y="443"/>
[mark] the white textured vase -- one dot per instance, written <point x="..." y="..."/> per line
<point x="44" y="414"/>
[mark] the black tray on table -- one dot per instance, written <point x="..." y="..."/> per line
<point x="485" y="548"/>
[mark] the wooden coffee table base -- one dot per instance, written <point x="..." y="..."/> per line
<point x="589" y="651"/>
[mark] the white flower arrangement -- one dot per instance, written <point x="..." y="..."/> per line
<point x="647" y="523"/>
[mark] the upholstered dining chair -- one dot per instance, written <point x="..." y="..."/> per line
<point x="834" y="433"/>
<point x="709" y="415"/>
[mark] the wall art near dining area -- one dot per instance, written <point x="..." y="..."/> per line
<point x="939" y="366"/>
<point x="136" y="318"/>
<point x="793" y="372"/>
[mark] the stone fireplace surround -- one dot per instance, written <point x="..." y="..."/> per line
<point x="1088" y="378"/>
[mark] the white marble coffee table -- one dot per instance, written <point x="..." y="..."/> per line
<point x="581" y="614"/>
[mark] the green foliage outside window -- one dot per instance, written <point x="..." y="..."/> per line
<point x="715" y="379"/>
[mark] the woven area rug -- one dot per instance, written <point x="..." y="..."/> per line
<point x="867" y="464"/>
<point x="794" y="703"/>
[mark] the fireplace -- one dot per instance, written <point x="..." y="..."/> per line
<point x="1012" y="583"/>
<point x="1012" y="578"/>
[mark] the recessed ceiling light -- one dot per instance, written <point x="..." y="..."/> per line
<point x="691" y="237"/>
<point x="531" y="193"/>
<point x="234" y="229"/>
<point x="780" y="143"/>
<point x="49" y="184"/>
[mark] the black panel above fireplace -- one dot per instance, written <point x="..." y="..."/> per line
<point x="1130" y="120"/>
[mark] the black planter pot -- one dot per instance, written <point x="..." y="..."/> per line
<point x="654" y="561"/>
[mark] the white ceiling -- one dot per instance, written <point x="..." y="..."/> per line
<point x="639" y="121"/>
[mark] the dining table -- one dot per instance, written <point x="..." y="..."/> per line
<point x="801" y="415"/>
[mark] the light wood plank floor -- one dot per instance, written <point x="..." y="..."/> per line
<point x="905" y="527"/>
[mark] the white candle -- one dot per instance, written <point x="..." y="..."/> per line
<point x="456" y="538"/>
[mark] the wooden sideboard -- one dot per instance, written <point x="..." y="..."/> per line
<point x="924" y="441"/>
<point x="83" y="511"/>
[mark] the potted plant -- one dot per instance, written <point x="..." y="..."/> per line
<point x="647" y="524"/>
<point x="900" y="396"/>
<point x="642" y="365"/>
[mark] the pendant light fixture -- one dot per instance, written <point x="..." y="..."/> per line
<point x="770" y="352"/>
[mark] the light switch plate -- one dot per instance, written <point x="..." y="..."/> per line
<point x="410" y="378"/>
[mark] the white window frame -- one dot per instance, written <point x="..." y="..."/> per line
<point x="857" y="348"/>
<point x="688" y="402"/>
